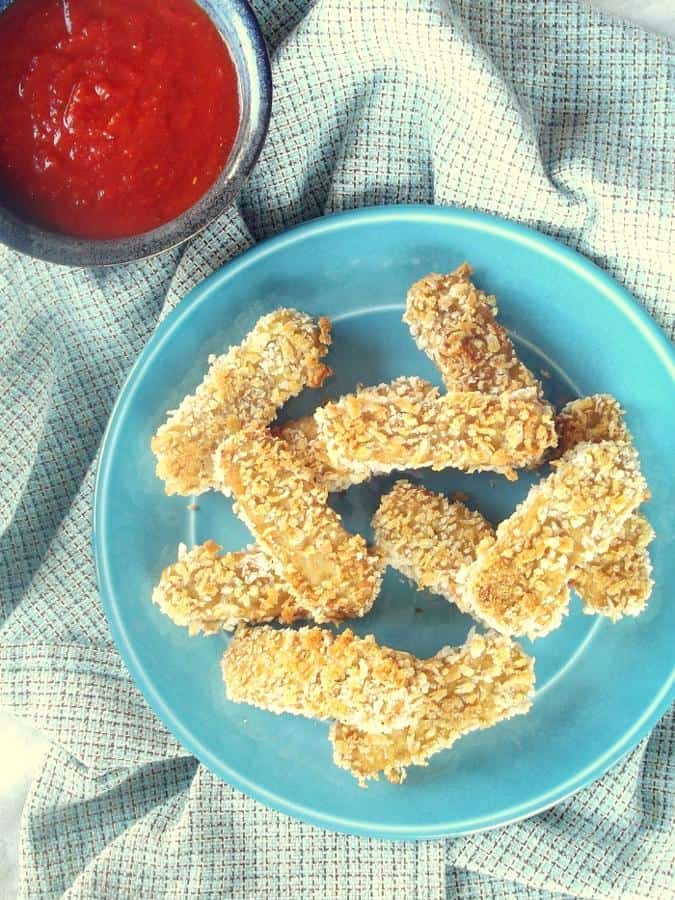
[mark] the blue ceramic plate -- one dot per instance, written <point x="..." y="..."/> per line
<point x="600" y="687"/>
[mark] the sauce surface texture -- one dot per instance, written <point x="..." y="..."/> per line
<point x="115" y="115"/>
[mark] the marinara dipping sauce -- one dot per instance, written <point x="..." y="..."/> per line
<point x="115" y="115"/>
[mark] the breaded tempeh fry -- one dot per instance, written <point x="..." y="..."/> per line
<point x="454" y="324"/>
<point x="208" y="593"/>
<point x="313" y="672"/>
<point x="475" y="686"/>
<point x="275" y="361"/>
<point x="427" y="538"/>
<point x="619" y="581"/>
<point x="408" y="425"/>
<point x="518" y="584"/>
<point x="302" y="437"/>
<point x="331" y="571"/>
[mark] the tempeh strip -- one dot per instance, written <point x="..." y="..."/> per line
<point x="408" y="425"/>
<point x="208" y="592"/>
<point x="428" y="538"/>
<point x="332" y="572"/>
<point x="453" y="322"/>
<point x="518" y="584"/>
<point x="249" y="383"/>
<point x="471" y="687"/>
<point x="313" y="672"/>
<point x="619" y="581"/>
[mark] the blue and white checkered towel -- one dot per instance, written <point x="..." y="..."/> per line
<point x="546" y="112"/>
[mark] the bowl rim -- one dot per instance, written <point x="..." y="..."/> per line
<point x="51" y="246"/>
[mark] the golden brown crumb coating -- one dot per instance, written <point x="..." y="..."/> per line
<point x="302" y="437"/>
<point x="332" y="573"/>
<point x="428" y="538"/>
<point x="314" y="672"/>
<point x="619" y="581"/>
<point x="465" y="688"/>
<point x="590" y="419"/>
<point x="454" y="324"/>
<point x="208" y="592"/>
<point x="518" y="584"/>
<point x="408" y="425"/>
<point x="249" y="383"/>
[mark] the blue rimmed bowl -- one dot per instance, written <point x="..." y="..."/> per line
<point x="239" y="28"/>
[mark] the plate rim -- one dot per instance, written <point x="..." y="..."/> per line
<point x="467" y="218"/>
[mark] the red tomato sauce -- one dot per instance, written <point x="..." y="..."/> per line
<point x="115" y="115"/>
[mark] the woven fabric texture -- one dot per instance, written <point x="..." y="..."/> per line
<point x="548" y="113"/>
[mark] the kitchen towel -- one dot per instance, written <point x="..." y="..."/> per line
<point x="548" y="113"/>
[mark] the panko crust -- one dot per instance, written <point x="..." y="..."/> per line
<point x="407" y="424"/>
<point x="275" y="361"/>
<point x="208" y="592"/>
<point x="519" y="584"/>
<point x="453" y="322"/>
<point x="467" y="688"/>
<point x="428" y="538"/>
<point x="316" y="673"/>
<point x="302" y="437"/>
<point x="592" y="419"/>
<point x="333" y="573"/>
<point x="619" y="581"/>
